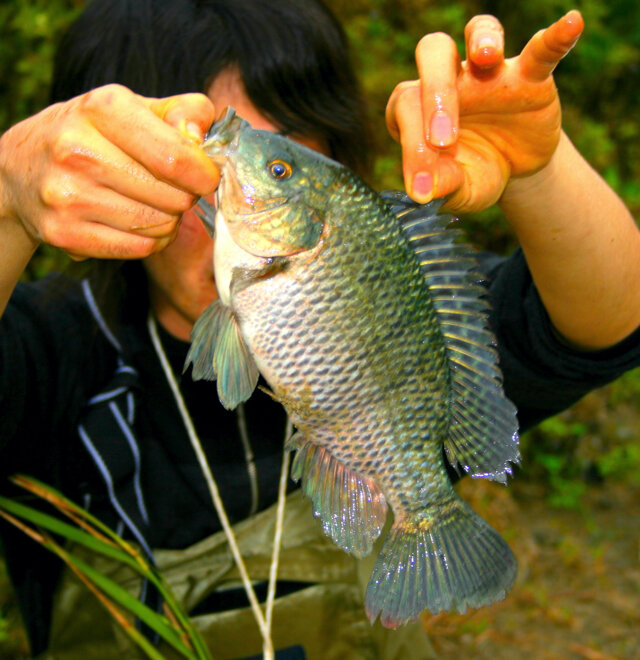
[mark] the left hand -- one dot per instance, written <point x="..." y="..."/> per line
<point x="467" y="128"/>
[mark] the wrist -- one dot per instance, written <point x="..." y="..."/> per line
<point x="17" y="244"/>
<point x="523" y="189"/>
<point x="10" y="216"/>
<point x="6" y="210"/>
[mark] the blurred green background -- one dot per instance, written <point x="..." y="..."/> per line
<point x="599" y="84"/>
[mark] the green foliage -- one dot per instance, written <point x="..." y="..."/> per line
<point x="595" y="440"/>
<point x="28" y="35"/>
<point x="172" y="624"/>
<point x="549" y="456"/>
<point x="4" y="628"/>
<point x="29" y="32"/>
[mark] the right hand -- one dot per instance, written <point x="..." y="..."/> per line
<point x="107" y="174"/>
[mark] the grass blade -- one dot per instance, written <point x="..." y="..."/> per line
<point x="100" y="539"/>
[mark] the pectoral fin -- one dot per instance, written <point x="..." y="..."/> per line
<point x="218" y="352"/>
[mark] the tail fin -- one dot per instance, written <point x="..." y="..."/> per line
<point x="452" y="559"/>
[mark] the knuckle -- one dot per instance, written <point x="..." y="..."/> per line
<point x="404" y="87"/>
<point x="172" y="166"/>
<point x="409" y="102"/>
<point x="181" y="202"/>
<point x="49" y="231"/>
<point x="66" y="147"/>
<point x="484" y="22"/>
<point x="58" y="193"/>
<point x="144" y="247"/>
<point x="96" y="99"/>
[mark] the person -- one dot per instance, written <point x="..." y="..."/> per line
<point x="111" y="170"/>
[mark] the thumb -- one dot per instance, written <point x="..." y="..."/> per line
<point x="191" y="114"/>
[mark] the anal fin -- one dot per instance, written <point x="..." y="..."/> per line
<point x="351" y="507"/>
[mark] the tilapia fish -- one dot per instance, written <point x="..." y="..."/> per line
<point x="366" y="318"/>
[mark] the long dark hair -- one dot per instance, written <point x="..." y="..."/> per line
<point x="292" y="56"/>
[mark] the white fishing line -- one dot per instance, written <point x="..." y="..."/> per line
<point x="263" y="621"/>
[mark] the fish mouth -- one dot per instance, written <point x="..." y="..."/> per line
<point x="219" y="143"/>
<point x="222" y="137"/>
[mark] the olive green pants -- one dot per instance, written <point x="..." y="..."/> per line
<point x="327" y="619"/>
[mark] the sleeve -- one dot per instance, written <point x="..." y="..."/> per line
<point x="47" y="364"/>
<point x="543" y="375"/>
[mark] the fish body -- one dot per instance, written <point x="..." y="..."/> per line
<point x="363" y="316"/>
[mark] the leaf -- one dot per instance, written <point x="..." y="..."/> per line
<point x="175" y="628"/>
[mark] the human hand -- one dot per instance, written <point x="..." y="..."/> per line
<point x="467" y="128"/>
<point x="107" y="174"/>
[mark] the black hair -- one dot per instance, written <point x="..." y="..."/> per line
<point x="292" y="56"/>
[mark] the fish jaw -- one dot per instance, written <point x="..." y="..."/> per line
<point x="222" y="138"/>
<point x="228" y="257"/>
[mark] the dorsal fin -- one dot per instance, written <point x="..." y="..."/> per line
<point x="483" y="429"/>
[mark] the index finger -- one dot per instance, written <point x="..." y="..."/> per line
<point x="438" y="61"/>
<point x="547" y="47"/>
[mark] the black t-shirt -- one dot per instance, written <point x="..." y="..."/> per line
<point x="54" y="359"/>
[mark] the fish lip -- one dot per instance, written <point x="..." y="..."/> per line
<point x="223" y="135"/>
<point x="224" y="128"/>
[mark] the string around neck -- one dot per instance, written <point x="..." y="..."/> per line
<point x="262" y="619"/>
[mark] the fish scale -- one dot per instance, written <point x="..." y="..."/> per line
<point x="366" y="319"/>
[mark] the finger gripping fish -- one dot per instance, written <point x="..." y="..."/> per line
<point x="368" y="321"/>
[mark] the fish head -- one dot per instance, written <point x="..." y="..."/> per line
<point x="273" y="191"/>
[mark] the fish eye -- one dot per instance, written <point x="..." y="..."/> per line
<point x="279" y="169"/>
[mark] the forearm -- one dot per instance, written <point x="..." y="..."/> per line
<point x="16" y="245"/>
<point x="582" y="247"/>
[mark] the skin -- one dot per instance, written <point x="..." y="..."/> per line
<point x="72" y="177"/>
<point x="488" y="130"/>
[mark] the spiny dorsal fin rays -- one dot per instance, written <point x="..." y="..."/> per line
<point x="352" y="508"/>
<point x="483" y="430"/>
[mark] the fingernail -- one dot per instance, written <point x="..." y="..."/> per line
<point x="485" y="50"/>
<point x="194" y="131"/>
<point x="422" y="184"/>
<point x="440" y="129"/>
<point x="190" y="130"/>
<point x="486" y="43"/>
